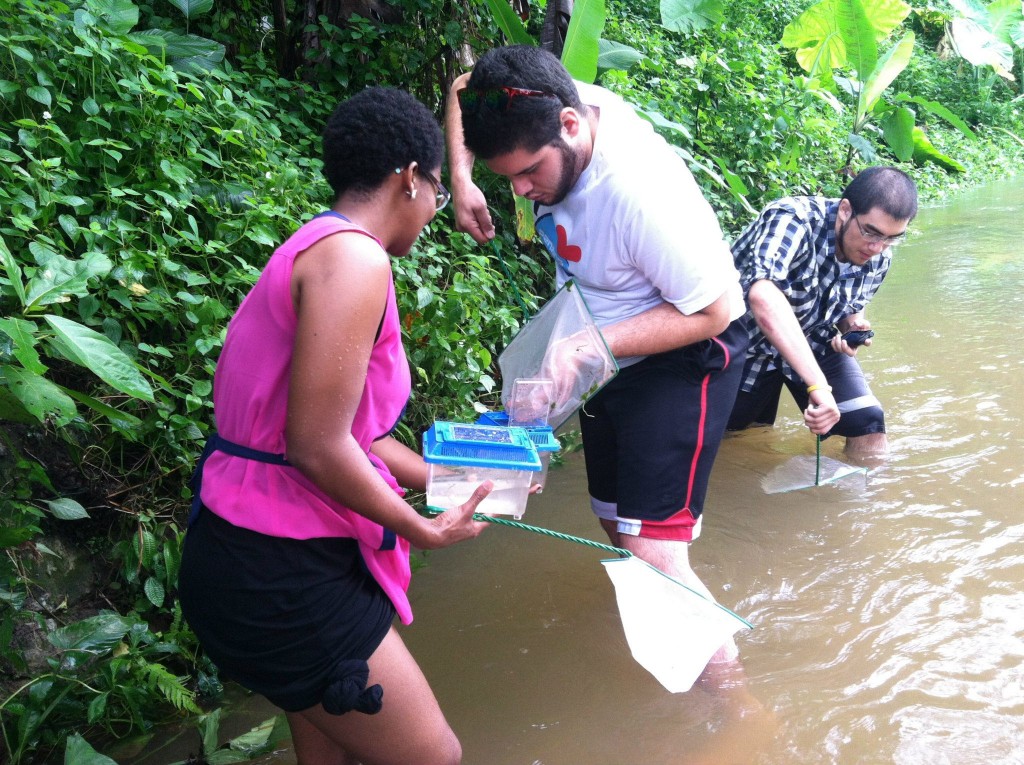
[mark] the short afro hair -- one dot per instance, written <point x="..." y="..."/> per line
<point x="527" y="122"/>
<point x="374" y="132"/>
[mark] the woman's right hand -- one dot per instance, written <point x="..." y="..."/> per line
<point x="457" y="524"/>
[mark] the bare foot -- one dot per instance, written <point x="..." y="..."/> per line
<point x="747" y="728"/>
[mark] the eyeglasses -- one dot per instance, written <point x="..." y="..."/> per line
<point x="496" y="99"/>
<point x="442" y="194"/>
<point x="874" y="237"/>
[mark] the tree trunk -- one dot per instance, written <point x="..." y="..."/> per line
<point x="556" y="24"/>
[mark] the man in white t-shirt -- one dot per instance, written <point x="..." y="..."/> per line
<point x="622" y="217"/>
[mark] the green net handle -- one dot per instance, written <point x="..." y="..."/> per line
<point x="546" y="532"/>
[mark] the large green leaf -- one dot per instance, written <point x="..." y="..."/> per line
<point x="23" y="334"/>
<point x="614" y="55"/>
<point x="1017" y="34"/>
<point x="191" y="9"/>
<point x="858" y="37"/>
<point x="179" y="48"/>
<point x="155" y="591"/>
<point x="13" y="410"/>
<point x="509" y="23"/>
<point x="823" y="34"/>
<point x="95" y="352"/>
<point x="863" y="147"/>
<point x="66" y="509"/>
<point x="13" y="271"/>
<point x="690" y="15"/>
<point x="971" y="9"/>
<point x="97" y="634"/>
<point x="898" y="132"/>
<point x="939" y="111"/>
<point x="121" y="15"/>
<point x="889" y="66"/>
<point x="40" y="397"/>
<point x="580" y="52"/>
<point x="980" y="47"/>
<point x="58" y="277"/>
<point x="815" y="37"/>
<point x="1005" y="17"/>
<point x="924" y="151"/>
<point x="78" y="751"/>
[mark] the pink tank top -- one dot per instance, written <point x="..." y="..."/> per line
<point x="250" y="398"/>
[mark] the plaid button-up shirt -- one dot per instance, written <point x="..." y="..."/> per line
<point x="793" y="244"/>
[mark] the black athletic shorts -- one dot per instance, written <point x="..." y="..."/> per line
<point x="860" y="412"/>
<point x="651" y="435"/>
<point x="294" y="620"/>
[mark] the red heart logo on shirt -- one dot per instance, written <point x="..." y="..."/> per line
<point x="565" y="250"/>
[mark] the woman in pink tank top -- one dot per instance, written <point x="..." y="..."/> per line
<point x="297" y="557"/>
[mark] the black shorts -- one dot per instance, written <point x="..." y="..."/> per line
<point x="651" y="435"/>
<point x="860" y="412"/>
<point x="289" y="619"/>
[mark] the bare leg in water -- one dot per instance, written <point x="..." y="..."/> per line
<point x="748" y="727"/>
<point x="410" y="728"/>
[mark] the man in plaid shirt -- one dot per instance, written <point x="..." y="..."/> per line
<point x="809" y="266"/>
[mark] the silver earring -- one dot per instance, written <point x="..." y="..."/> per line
<point x="412" y="194"/>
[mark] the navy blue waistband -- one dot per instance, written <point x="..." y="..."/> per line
<point x="216" y="443"/>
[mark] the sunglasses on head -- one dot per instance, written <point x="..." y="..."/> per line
<point x="495" y="99"/>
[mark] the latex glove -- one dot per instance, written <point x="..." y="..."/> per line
<point x="564" y="364"/>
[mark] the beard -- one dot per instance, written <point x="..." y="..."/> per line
<point x="841" y="255"/>
<point x="570" y="173"/>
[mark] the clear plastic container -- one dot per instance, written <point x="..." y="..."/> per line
<point x="530" y="402"/>
<point x="461" y="456"/>
<point x="543" y="438"/>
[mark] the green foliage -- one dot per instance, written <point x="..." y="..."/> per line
<point x="79" y="752"/>
<point x="262" y="740"/>
<point x="134" y="225"/>
<point x="150" y="560"/>
<point x="985" y="35"/>
<point x="580" y="53"/>
<point x="509" y="23"/>
<point x="459" y="312"/>
<point x="843" y="34"/>
<point x="109" y="670"/>
<point x="729" y="103"/>
<point x="691" y="15"/>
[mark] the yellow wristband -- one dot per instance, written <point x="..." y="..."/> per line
<point x="812" y="388"/>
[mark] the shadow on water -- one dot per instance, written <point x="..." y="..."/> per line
<point x="889" y="610"/>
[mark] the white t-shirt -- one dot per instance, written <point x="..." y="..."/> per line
<point x="635" y="230"/>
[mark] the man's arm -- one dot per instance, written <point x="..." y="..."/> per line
<point x="664" y="328"/>
<point x="471" y="215"/>
<point x="659" y="329"/>
<point x="774" y="316"/>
